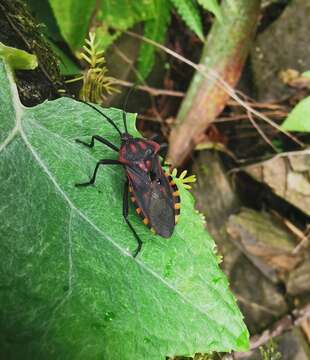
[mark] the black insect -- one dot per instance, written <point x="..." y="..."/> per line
<point x="153" y="192"/>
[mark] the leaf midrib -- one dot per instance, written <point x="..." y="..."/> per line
<point x="91" y="157"/>
<point x="18" y="129"/>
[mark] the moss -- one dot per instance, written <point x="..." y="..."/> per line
<point x="20" y="30"/>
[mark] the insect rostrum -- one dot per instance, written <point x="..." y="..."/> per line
<point x="153" y="192"/>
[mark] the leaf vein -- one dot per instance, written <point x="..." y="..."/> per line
<point x="94" y="226"/>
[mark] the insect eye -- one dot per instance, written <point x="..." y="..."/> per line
<point x="148" y="152"/>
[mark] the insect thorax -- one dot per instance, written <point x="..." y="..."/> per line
<point x="138" y="150"/>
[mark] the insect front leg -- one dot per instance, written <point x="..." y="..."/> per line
<point x="125" y="214"/>
<point x="101" y="162"/>
<point x="98" y="138"/>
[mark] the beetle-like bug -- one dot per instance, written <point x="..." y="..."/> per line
<point x="153" y="192"/>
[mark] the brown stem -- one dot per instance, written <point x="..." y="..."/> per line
<point x="225" y="52"/>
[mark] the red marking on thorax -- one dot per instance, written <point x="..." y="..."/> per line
<point x="142" y="145"/>
<point x="133" y="148"/>
<point x="154" y="145"/>
<point x="121" y="156"/>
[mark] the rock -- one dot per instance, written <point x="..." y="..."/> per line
<point x="292" y="346"/>
<point x="260" y="301"/>
<point x="264" y="241"/>
<point x="283" y="45"/>
<point x="216" y="199"/>
<point x="299" y="279"/>
<point x="287" y="176"/>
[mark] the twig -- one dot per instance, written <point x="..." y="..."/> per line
<point x="149" y="118"/>
<point x="265" y="160"/>
<point x="214" y="76"/>
<point x="288" y="322"/>
<point x="151" y="90"/>
<point x="246" y="117"/>
<point x="255" y="305"/>
<point x="305" y="239"/>
<point x="137" y="73"/>
<point x="260" y="131"/>
<point x="259" y="105"/>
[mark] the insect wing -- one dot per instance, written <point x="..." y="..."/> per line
<point x="161" y="208"/>
<point x="153" y="195"/>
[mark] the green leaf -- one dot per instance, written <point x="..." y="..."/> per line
<point x="299" y="118"/>
<point x="44" y="15"/>
<point x="212" y="6"/>
<point x="70" y="288"/>
<point x="190" y="14"/>
<point x="66" y="66"/>
<point x="73" y="19"/>
<point x="306" y="74"/>
<point x="18" y="59"/>
<point x="120" y="15"/>
<point x="154" y="29"/>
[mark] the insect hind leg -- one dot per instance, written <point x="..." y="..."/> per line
<point x="125" y="215"/>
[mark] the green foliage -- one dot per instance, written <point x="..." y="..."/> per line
<point x="278" y="144"/>
<point x="154" y="29"/>
<point x="18" y="59"/>
<point x="70" y="288"/>
<point x="66" y="66"/>
<point x="212" y="6"/>
<point x="198" y="356"/>
<point x="299" y="118"/>
<point x="269" y="351"/>
<point x="306" y="74"/>
<point x="120" y="15"/>
<point x="189" y="12"/>
<point x="96" y="82"/>
<point x="112" y="17"/>
<point x="73" y="19"/>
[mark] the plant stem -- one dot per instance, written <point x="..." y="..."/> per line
<point x="224" y="52"/>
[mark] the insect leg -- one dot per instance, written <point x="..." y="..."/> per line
<point x="101" y="162"/>
<point x="98" y="138"/>
<point x="162" y="151"/>
<point x="125" y="214"/>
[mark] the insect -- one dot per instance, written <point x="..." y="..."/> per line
<point x="153" y="192"/>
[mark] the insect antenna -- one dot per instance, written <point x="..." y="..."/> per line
<point x="125" y="121"/>
<point x="125" y="105"/>
<point x="105" y="116"/>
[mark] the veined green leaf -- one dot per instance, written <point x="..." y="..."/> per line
<point x="73" y="19"/>
<point x="122" y="14"/>
<point x="66" y="66"/>
<point x="154" y="29"/>
<point x="212" y="6"/>
<point x="70" y="288"/>
<point x="190" y="14"/>
<point x="299" y="118"/>
<point x="18" y="59"/>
